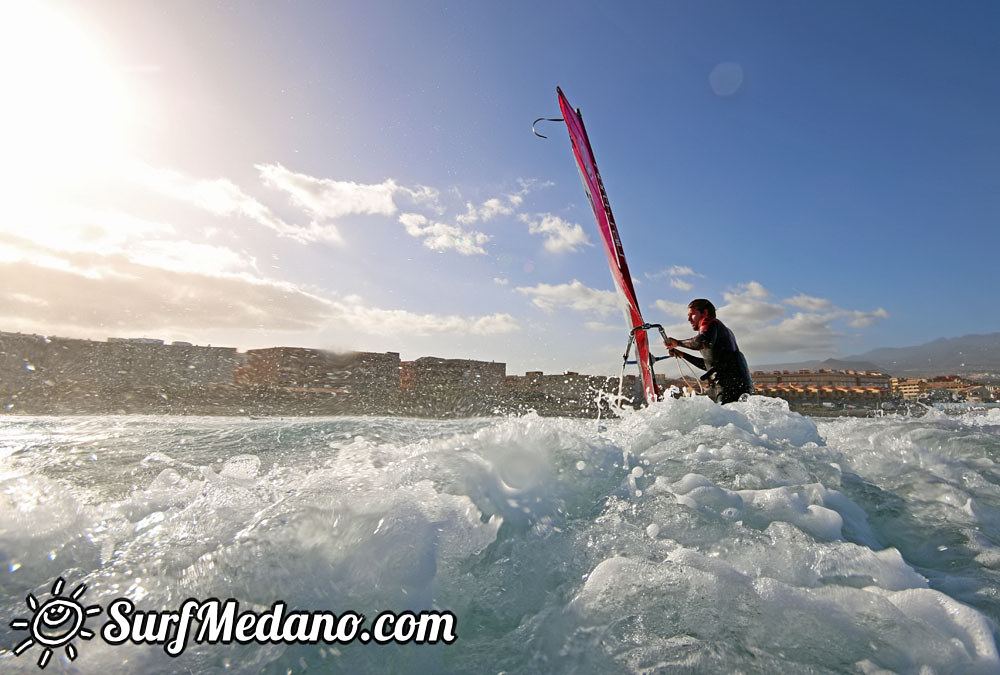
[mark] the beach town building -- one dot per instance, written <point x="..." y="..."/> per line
<point x="64" y="366"/>
<point x="434" y="386"/>
<point x="431" y="374"/>
<point x="366" y="379"/>
<point x="819" y="386"/>
<point x="913" y="388"/>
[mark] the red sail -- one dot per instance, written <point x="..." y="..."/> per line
<point x="609" y="235"/>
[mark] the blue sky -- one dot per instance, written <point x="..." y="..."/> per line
<point x="362" y="175"/>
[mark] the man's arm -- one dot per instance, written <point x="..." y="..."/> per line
<point x="697" y="342"/>
<point x="696" y="361"/>
<point x="700" y="341"/>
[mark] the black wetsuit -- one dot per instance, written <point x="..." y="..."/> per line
<point x="728" y="374"/>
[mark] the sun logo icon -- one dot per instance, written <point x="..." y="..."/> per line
<point x="55" y="623"/>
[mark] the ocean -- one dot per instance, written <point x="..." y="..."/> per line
<point x="683" y="538"/>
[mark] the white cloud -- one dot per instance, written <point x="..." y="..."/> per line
<point x="681" y="271"/>
<point x="442" y="237"/>
<point x="63" y="228"/>
<point x="573" y="295"/>
<point x="751" y="312"/>
<point x="678" y="276"/>
<point x="221" y="197"/>
<point x="158" y="288"/>
<point x="500" y="281"/>
<point x="674" y="271"/>
<point x="427" y="197"/>
<point x="135" y="297"/>
<point x="489" y="209"/>
<point x="498" y="206"/>
<point x="493" y="324"/>
<point x="560" y="236"/>
<point x="858" y="319"/>
<point x="800" y="333"/>
<point x="325" y="198"/>
<point x="96" y="243"/>
<point x="748" y="305"/>
<point x="106" y="273"/>
<point x="605" y="327"/>
<point x="810" y="304"/>
<point x="751" y="290"/>
<point x="186" y="256"/>
<point x="672" y="308"/>
<point x="375" y="321"/>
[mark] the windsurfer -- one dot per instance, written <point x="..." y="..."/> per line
<point x="726" y="368"/>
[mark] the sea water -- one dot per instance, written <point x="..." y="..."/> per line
<point x="686" y="537"/>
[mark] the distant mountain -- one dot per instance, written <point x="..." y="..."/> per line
<point x="967" y="355"/>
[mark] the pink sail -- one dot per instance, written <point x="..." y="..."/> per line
<point x="609" y="235"/>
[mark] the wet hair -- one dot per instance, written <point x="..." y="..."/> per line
<point x="702" y="305"/>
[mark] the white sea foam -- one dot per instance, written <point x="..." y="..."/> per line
<point x="687" y="536"/>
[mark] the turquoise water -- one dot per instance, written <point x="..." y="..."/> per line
<point x="683" y="538"/>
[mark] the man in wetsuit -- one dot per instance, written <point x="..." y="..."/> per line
<point x="727" y="372"/>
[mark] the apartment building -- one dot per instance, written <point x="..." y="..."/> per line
<point x="823" y="378"/>
<point x="430" y="373"/>
<point x="367" y="379"/>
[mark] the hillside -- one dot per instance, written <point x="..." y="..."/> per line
<point x="969" y="355"/>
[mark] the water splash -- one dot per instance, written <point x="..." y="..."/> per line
<point x="686" y="535"/>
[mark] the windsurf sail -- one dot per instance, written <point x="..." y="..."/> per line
<point x="594" y="187"/>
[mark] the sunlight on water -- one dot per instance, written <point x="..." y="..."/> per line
<point x="688" y="537"/>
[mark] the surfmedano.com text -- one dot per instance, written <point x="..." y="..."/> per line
<point x="220" y="622"/>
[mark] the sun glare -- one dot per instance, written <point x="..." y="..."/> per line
<point x="66" y="111"/>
